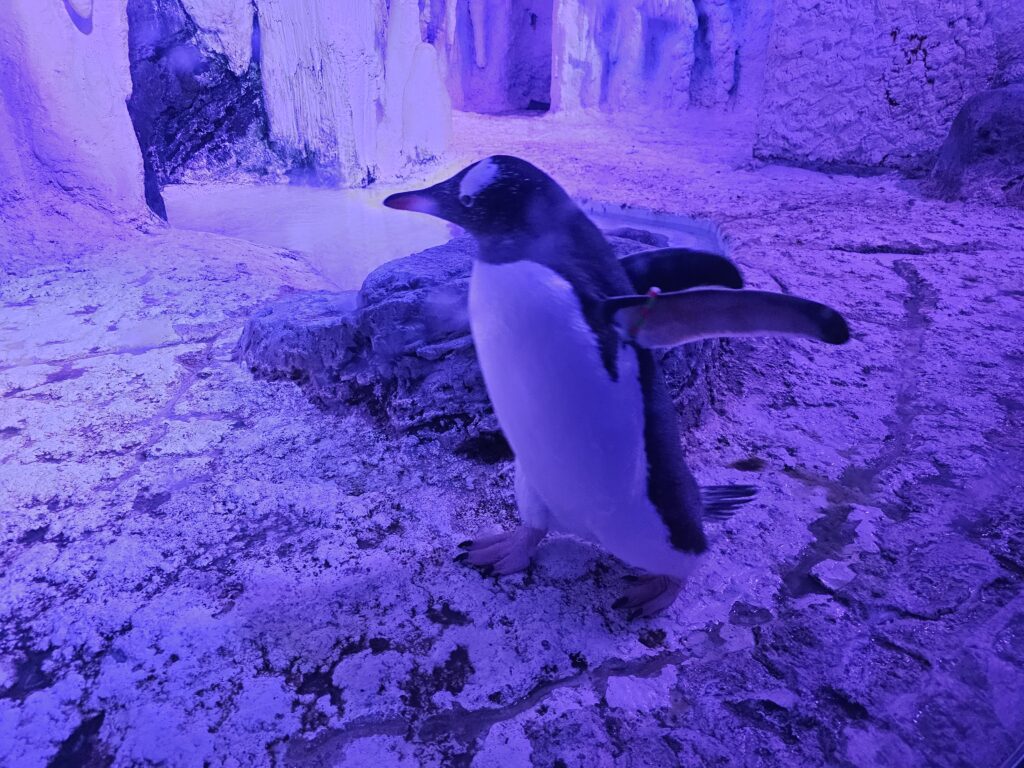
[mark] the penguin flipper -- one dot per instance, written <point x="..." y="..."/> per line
<point x="670" y="319"/>
<point x="677" y="269"/>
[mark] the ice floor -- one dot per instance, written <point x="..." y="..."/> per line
<point x="198" y="567"/>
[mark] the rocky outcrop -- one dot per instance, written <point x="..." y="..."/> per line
<point x="402" y="348"/>
<point x="983" y="155"/>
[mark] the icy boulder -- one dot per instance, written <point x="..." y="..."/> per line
<point x="871" y="84"/>
<point x="65" y="132"/>
<point x="402" y="347"/>
<point x="983" y="155"/>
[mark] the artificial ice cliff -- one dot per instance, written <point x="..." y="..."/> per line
<point x="233" y="474"/>
<point x="347" y="93"/>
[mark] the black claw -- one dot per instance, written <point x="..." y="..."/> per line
<point x="486" y="570"/>
<point x="620" y="603"/>
<point x="635" y="614"/>
<point x="461" y="557"/>
<point x="466" y="544"/>
<point x="630" y="578"/>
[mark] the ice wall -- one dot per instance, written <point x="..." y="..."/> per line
<point x="496" y="53"/>
<point x="623" y="55"/>
<point x="878" y="84"/>
<point x="197" y="97"/>
<point x="652" y="56"/>
<point x="66" y="140"/>
<point x="323" y="89"/>
<point x="335" y="79"/>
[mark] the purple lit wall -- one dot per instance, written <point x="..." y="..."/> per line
<point x="243" y="428"/>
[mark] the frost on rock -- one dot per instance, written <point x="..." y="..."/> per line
<point x="873" y="84"/>
<point x="324" y="92"/>
<point x="197" y="110"/>
<point x="224" y="26"/>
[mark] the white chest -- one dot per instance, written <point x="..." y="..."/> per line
<point x="577" y="433"/>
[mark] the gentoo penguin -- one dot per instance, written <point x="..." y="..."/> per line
<point x="562" y="337"/>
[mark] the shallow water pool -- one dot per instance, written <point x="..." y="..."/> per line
<point x="346" y="233"/>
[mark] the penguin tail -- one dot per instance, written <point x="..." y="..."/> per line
<point x="721" y="501"/>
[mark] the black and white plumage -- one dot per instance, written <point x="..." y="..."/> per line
<point x="560" y="335"/>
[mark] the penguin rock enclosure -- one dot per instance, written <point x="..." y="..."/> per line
<point x="560" y="383"/>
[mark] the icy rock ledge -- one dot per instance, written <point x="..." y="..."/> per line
<point x="401" y="347"/>
<point x="983" y="155"/>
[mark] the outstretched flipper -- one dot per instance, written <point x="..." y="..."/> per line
<point x="677" y="269"/>
<point x="669" y="319"/>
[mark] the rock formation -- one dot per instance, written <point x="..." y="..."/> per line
<point x="983" y="155"/>
<point x="402" y="348"/>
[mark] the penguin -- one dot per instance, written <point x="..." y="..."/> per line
<point x="563" y="332"/>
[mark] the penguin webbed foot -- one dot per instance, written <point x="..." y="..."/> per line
<point x="648" y="595"/>
<point x="503" y="553"/>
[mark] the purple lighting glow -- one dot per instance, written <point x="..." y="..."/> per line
<point x="244" y="429"/>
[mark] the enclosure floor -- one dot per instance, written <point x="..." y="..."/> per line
<point x="200" y="567"/>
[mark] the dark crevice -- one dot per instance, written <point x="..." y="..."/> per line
<point x="190" y="111"/>
<point x="82" y="748"/>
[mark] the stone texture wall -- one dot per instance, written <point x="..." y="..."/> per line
<point x="876" y="84"/>
<point x="623" y="56"/>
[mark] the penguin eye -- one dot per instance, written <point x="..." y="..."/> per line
<point x="467" y="200"/>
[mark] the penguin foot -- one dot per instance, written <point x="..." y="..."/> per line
<point x="503" y="553"/>
<point x="649" y="595"/>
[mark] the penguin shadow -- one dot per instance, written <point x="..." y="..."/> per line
<point x="82" y="21"/>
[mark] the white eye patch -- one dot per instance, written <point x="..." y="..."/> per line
<point x="480" y="176"/>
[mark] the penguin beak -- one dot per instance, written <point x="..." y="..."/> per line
<point x="420" y="201"/>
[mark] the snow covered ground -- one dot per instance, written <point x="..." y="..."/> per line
<point x="200" y="567"/>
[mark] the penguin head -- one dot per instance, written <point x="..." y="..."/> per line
<point x="497" y="196"/>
